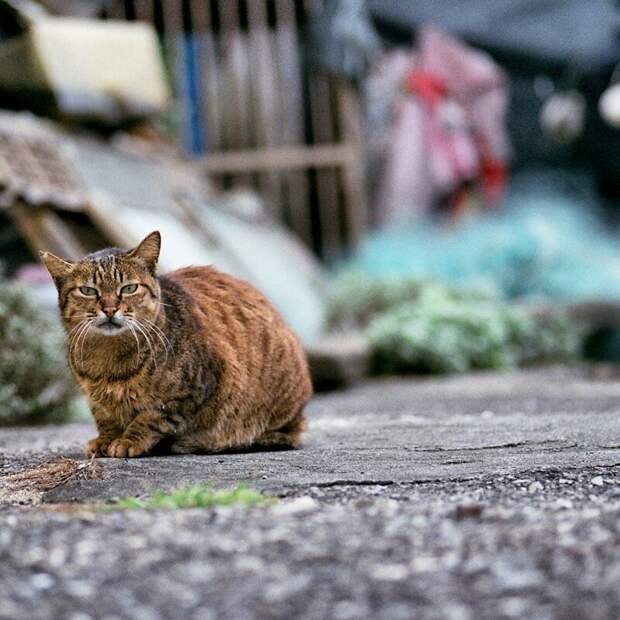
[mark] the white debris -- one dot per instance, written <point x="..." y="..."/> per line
<point x="534" y="487"/>
<point x="296" y="506"/>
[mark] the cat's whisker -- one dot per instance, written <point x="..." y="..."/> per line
<point x="148" y="324"/>
<point x="133" y="333"/>
<point x="164" y="340"/>
<point x="85" y="327"/>
<point x="88" y="326"/>
<point x="158" y="332"/>
<point x="73" y="337"/>
<point x="146" y="337"/>
<point x="73" y="329"/>
<point x="82" y="317"/>
<point x="75" y="332"/>
<point x="153" y="324"/>
<point x="146" y="328"/>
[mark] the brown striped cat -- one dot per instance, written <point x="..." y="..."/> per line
<point x="194" y="361"/>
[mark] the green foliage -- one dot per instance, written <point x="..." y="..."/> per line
<point x="355" y="298"/>
<point x="456" y="337"/>
<point x="196" y="497"/>
<point x="35" y="384"/>
<point x="426" y="326"/>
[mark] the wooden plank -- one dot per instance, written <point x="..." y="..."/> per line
<point x="282" y="158"/>
<point x="327" y="180"/>
<point x="252" y="94"/>
<point x="44" y="230"/>
<point x="144" y="10"/>
<point x="173" y="24"/>
<point x="172" y="29"/>
<point x="236" y="94"/>
<point x="296" y="182"/>
<point x="116" y="10"/>
<point x="353" y="172"/>
<point x="100" y="210"/>
<point x="173" y="17"/>
<point x="234" y="76"/>
<point x="267" y="103"/>
<point x="323" y="130"/>
<point x="289" y="74"/>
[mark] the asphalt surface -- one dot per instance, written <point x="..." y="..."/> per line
<point x="476" y="497"/>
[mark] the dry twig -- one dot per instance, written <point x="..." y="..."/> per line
<point x="51" y="474"/>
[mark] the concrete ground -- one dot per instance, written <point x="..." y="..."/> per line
<point x="486" y="496"/>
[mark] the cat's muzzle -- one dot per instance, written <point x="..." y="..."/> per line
<point x="111" y="325"/>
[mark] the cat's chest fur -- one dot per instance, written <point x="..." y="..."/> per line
<point x="121" y="399"/>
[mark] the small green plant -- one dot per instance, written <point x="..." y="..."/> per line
<point x="356" y="298"/>
<point x="451" y="336"/>
<point x="35" y="384"/>
<point x="430" y="326"/>
<point x="198" y="496"/>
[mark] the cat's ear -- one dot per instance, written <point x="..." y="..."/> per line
<point x="148" y="249"/>
<point x="59" y="268"/>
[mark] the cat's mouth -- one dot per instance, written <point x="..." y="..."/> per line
<point x="111" y="326"/>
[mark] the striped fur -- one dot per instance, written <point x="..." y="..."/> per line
<point x="201" y="362"/>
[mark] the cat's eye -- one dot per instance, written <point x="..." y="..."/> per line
<point x="89" y="291"/>
<point x="129" y="289"/>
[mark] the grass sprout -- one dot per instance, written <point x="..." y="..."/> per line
<point x="198" y="496"/>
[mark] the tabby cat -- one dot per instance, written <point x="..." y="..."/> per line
<point x="192" y="361"/>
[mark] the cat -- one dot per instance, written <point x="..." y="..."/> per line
<point x="195" y="360"/>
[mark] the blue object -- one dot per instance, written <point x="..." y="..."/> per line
<point x="190" y="93"/>
<point x="542" y="245"/>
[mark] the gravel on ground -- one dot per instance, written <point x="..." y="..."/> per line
<point x="487" y="496"/>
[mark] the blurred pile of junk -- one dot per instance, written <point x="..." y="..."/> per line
<point x="492" y="138"/>
<point x="446" y="123"/>
<point x="558" y="59"/>
<point x="398" y="138"/>
<point x="104" y="177"/>
<point x="443" y="148"/>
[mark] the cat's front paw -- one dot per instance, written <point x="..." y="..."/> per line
<point x="97" y="447"/>
<point x="122" y="448"/>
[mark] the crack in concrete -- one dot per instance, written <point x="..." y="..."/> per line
<point x="512" y="444"/>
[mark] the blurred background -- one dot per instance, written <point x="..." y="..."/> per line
<point x="425" y="186"/>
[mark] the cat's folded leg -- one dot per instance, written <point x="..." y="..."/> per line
<point x="109" y="430"/>
<point x="146" y="430"/>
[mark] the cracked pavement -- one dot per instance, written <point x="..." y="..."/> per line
<point x="485" y="496"/>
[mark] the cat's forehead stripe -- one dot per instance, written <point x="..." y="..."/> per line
<point x="106" y="270"/>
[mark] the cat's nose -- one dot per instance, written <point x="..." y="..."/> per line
<point x="109" y="311"/>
